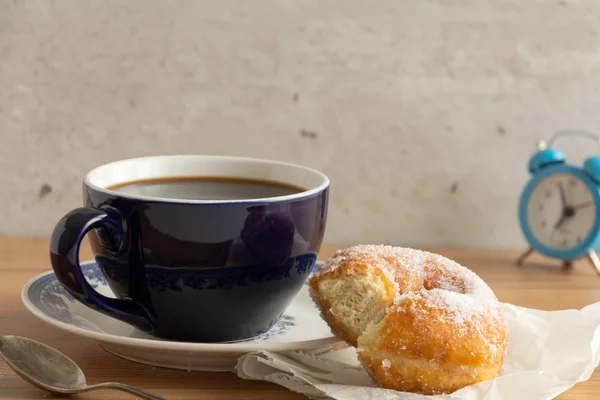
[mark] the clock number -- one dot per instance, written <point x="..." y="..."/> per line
<point x="572" y="182"/>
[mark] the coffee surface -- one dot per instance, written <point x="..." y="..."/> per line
<point x="206" y="188"/>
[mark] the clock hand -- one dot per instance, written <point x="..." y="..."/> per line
<point x="567" y="213"/>
<point x="563" y="198"/>
<point x="583" y="205"/>
<point x="560" y="221"/>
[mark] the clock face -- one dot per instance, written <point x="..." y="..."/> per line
<point x="561" y="211"/>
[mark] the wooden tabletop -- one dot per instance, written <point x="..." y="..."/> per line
<point x="541" y="284"/>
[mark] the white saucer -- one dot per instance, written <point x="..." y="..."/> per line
<point x="300" y="328"/>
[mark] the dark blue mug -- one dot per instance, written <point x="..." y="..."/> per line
<point x="194" y="270"/>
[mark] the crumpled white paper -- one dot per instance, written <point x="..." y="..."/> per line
<point x="548" y="353"/>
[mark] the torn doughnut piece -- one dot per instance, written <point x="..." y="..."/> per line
<point x="421" y="322"/>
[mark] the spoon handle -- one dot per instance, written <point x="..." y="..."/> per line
<point x="126" y="388"/>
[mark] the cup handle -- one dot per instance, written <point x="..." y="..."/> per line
<point x="64" y="255"/>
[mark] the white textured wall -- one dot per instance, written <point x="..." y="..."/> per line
<point x="423" y="113"/>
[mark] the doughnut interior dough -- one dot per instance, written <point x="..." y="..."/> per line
<point x="421" y="323"/>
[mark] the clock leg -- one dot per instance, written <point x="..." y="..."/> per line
<point x="523" y="256"/>
<point x="568" y="264"/>
<point x="595" y="260"/>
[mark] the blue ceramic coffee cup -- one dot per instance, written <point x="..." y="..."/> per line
<point x="201" y="270"/>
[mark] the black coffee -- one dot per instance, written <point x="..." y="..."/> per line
<point x="206" y="188"/>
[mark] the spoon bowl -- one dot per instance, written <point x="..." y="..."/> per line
<point x="51" y="370"/>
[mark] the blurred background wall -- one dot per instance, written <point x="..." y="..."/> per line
<point x="423" y="113"/>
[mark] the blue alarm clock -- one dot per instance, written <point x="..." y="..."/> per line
<point x="559" y="209"/>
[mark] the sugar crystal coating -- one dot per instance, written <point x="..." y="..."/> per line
<point x="443" y="327"/>
<point x="465" y="299"/>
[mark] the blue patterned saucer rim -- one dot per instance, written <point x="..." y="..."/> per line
<point x="109" y="338"/>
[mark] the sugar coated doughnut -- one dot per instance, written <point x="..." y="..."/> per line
<point x="421" y="322"/>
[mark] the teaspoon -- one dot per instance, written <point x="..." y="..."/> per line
<point x="51" y="370"/>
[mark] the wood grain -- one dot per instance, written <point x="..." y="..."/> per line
<point x="540" y="284"/>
